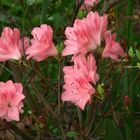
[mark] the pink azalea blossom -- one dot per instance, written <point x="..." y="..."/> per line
<point x="85" y="35"/>
<point x="10" y="44"/>
<point x="11" y="100"/>
<point x="89" y="4"/>
<point x="87" y="66"/>
<point x="112" y="48"/>
<point x="42" y="45"/>
<point x="77" y="88"/>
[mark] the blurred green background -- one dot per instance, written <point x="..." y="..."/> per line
<point x="124" y="18"/>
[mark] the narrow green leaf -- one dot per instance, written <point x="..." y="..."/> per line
<point x="138" y="54"/>
<point x="131" y="52"/>
<point x="138" y="65"/>
<point x="72" y="134"/>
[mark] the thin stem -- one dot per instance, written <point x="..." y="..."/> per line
<point x="43" y="101"/>
<point x="16" y="71"/>
<point x="97" y="128"/>
<point x="23" y="29"/>
<point x="76" y="11"/>
<point x="8" y="70"/>
<point x="59" y="87"/>
<point x="59" y="100"/>
<point x="80" y="117"/>
<point x="18" y="131"/>
<point x="108" y="5"/>
<point x="94" y="107"/>
<point x="129" y="88"/>
<point x="128" y="23"/>
<point x="18" y="75"/>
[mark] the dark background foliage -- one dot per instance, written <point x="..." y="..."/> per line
<point x="113" y="119"/>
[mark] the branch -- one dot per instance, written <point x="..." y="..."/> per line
<point x="109" y="5"/>
<point x="76" y="11"/>
<point x="17" y="131"/>
<point x="118" y="101"/>
<point x="18" y="75"/>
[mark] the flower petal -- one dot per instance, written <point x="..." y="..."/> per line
<point x="13" y="113"/>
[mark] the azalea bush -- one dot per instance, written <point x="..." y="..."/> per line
<point x="69" y="71"/>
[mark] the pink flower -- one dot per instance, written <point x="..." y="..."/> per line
<point x="89" y="4"/>
<point x="42" y="45"/>
<point x="87" y="66"/>
<point x="112" y="48"/>
<point x="77" y="88"/>
<point x="85" y="35"/>
<point x="11" y="100"/>
<point x="10" y="47"/>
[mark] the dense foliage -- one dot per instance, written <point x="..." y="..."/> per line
<point x="113" y="110"/>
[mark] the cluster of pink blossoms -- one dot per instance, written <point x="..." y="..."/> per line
<point x="78" y="79"/>
<point x="82" y="39"/>
<point x="11" y="100"/>
<point x="39" y="48"/>
<point x="12" y="47"/>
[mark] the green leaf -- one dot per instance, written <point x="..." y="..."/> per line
<point x="3" y="18"/>
<point x="60" y="47"/>
<point x="131" y="52"/>
<point x="72" y="134"/>
<point x="101" y="90"/>
<point x="128" y="132"/>
<point x="55" y="131"/>
<point x="138" y="65"/>
<point x="81" y="13"/>
<point x="7" y="3"/>
<point x="138" y="54"/>
<point x="31" y="2"/>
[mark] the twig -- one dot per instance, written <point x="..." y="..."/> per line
<point x="2" y="65"/>
<point x="118" y="101"/>
<point x="93" y="113"/>
<point x="18" y="131"/>
<point x="59" y="101"/>
<point x="79" y="116"/>
<point x="18" y="76"/>
<point x="59" y="86"/>
<point x="108" y="5"/>
<point x="76" y="11"/>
